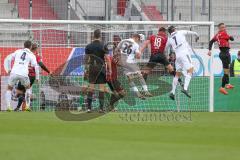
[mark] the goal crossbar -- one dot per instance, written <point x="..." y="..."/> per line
<point x="190" y="23"/>
<point x="208" y="23"/>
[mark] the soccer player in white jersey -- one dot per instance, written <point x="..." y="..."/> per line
<point x="19" y="72"/>
<point x="129" y="52"/>
<point x="177" y="41"/>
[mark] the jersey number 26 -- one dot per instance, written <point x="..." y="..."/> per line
<point x="127" y="49"/>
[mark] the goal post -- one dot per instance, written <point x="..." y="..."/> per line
<point x="61" y="41"/>
<point x="211" y="89"/>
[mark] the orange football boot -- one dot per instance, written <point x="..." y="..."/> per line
<point x="229" y="86"/>
<point x="223" y="91"/>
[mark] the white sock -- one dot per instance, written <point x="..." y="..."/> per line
<point x="8" y="97"/>
<point x="145" y="88"/>
<point x="184" y="72"/>
<point x="143" y="83"/>
<point x="28" y="97"/>
<point x="133" y="86"/>
<point x="135" y="89"/>
<point x="30" y="90"/>
<point x="187" y="81"/>
<point x="174" y="84"/>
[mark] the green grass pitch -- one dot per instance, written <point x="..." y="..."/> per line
<point x="41" y="136"/>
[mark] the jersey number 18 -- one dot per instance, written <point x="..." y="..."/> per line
<point x="157" y="42"/>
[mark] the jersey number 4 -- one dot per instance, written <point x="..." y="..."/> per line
<point x="23" y="56"/>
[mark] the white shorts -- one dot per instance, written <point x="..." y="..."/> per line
<point x="14" y="78"/>
<point x="183" y="63"/>
<point x="129" y="68"/>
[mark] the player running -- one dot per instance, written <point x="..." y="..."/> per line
<point x="19" y="72"/>
<point x="182" y="49"/>
<point x="129" y="51"/>
<point x="158" y="43"/>
<point x="222" y="37"/>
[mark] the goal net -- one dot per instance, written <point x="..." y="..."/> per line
<point x="62" y="48"/>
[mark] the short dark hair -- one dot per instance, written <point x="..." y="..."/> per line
<point x="97" y="34"/>
<point x="34" y="46"/>
<point x="28" y="44"/>
<point x="172" y="53"/>
<point x="162" y="29"/>
<point x="136" y="36"/>
<point x="171" y="29"/>
<point x="220" y="24"/>
<point x="238" y="53"/>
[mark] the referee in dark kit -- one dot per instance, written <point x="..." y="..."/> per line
<point x="96" y="56"/>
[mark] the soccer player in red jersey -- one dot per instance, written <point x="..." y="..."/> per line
<point x="222" y="38"/>
<point x="113" y="83"/>
<point x="158" y="43"/>
<point x="32" y="73"/>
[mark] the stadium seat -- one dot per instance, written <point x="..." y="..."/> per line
<point x="152" y="12"/>
<point x="121" y="6"/>
<point x="42" y="10"/>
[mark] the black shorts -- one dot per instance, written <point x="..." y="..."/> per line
<point x="226" y="59"/>
<point x="20" y="87"/>
<point x="157" y="58"/>
<point x="97" y="74"/>
<point x="32" y="80"/>
<point x="115" y="85"/>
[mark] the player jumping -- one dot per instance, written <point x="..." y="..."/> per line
<point x="223" y="38"/>
<point x="158" y="43"/>
<point x="19" y="72"/>
<point x="182" y="49"/>
<point x="129" y="51"/>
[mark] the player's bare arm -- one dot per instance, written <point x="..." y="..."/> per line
<point x="36" y="67"/>
<point x="192" y="33"/>
<point x="7" y="63"/>
<point x="138" y="55"/>
<point x="109" y="64"/>
<point x="144" y="46"/>
<point x="107" y="58"/>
